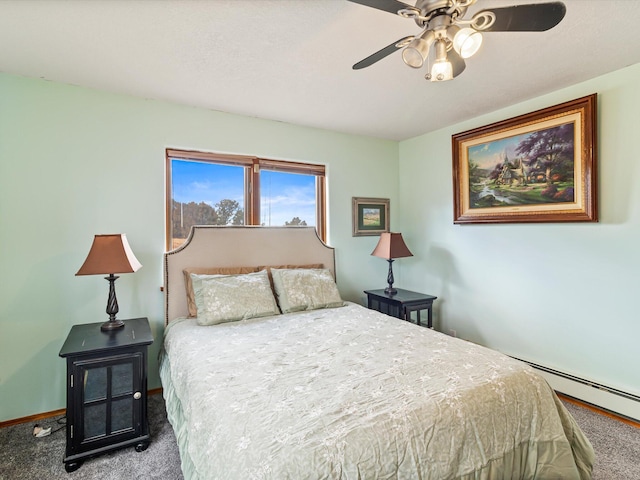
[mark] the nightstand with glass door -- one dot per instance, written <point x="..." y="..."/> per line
<point x="106" y="389"/>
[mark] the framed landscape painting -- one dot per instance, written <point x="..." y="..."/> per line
<point x="538" y="167"/>
<point x="370" y="216"/>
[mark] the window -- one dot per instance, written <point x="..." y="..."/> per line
<point x="215" y="189"/>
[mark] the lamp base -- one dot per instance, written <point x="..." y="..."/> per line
<point x="111" y="325"/>
<point x="390" y="290"/>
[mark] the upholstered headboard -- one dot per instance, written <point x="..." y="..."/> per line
<point x="231" y="246"/>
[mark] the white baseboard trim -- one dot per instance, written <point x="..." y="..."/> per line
<point x="616" y="401"/>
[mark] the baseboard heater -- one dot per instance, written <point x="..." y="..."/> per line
<point x="628" y="407"/>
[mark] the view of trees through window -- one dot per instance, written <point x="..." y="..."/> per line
<point x="238" y="193"/>
<point x="184" y="215"/>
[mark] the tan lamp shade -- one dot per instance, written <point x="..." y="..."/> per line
<point x="391" y="245"/>
<point x="110" y="254"/>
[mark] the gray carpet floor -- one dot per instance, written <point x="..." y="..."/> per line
<point x="23" y="457"/>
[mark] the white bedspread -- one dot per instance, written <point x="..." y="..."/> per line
<point x="349" y="393"/>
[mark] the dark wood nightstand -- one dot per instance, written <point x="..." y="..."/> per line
<point x="106" y="389"/>
<point x="401" y="304"/>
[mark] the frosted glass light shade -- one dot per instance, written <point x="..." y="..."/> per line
<point x="467" y="42"/>
<point x="441" y="71"/>
<point x="417" y="51"/>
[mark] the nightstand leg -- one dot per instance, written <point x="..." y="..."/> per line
<point x="73" y="466"/>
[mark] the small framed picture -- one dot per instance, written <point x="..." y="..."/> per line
<point x="370" y="216"/>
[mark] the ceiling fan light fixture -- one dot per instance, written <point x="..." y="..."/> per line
<point x="417" y="51"/>
<point x="467" y="42"/>
<point x="441" y="71"/>
<point x="413" y="57"/>
<point x="454" y="37"/>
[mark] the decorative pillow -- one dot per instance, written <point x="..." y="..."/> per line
<point x="191" y="301"/>
<point x="288" y="267"/>
<point x="228" y="298"/>
<point x="305" y="289"/>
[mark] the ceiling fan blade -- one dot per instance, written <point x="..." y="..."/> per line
<point x="391" y="6"/>
<point x="380" y="54"/>
<point x="457" y="62"/>
<point x="536" y="17"/>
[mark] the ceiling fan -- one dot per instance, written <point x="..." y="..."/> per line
<point x="450" y="36"/>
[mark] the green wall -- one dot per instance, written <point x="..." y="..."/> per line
<point x="75" y="162"/>
<point x="561" y="295"/>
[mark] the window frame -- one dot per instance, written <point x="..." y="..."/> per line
<point x="252" y="166"/>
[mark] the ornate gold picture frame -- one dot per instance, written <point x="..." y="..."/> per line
<point x="538" y="167"/>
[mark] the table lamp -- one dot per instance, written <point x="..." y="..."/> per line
<point x="391" y="246"/>
<point x="110" y="254"/>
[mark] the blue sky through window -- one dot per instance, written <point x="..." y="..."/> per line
<point x="283" y="195"/>
<point x="206" y="182"/>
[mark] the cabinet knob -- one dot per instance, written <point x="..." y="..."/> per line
<point x="137" y="395"/>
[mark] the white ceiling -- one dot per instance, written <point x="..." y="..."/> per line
<point x="290" y="60"/>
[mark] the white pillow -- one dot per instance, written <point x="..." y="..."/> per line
<point x="305" y="289"/>
<point x="228" y="298"/>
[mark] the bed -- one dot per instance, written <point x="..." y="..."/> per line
<point x="337" y="391"/>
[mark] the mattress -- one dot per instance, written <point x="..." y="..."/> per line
<point x="350" y="393"/>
